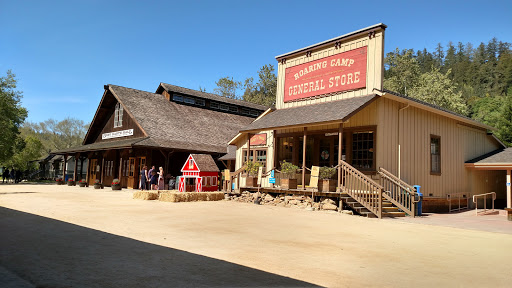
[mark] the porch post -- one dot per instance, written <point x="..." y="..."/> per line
<point x="340" y="150"/>
<point x="120" y="168"/>
<point x="249" y="147"/>
<point x="509" y="188"/>
<point x="64" y="168"/>
<point x="81" y="167"/>
<point x="101" y="169"/>
<point x="274" y="142"/>
<point x="76" y="166"/>
<point x="304" y="159"/>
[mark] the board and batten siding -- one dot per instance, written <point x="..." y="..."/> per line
<point x="374" y="66"/>
<point x="412" y="128"/>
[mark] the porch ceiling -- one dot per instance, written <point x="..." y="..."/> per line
<point x="325" y="112"/>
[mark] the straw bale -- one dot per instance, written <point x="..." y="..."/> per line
<point x="173" y="196"/>
<point x="145" y="195"/>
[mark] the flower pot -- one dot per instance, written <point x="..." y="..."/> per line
<point x="71" y="183"/>
<point x="60" y="183"/>
<point x="288" y="183"/>
<point x="251" y="181"/>
<point x="327" y="185"/>
<point x="98" y="186"/>
<point x="82" y="184"/>
<point x="116" y="187"/>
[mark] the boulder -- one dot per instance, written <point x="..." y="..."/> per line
<point x="328" y="201"/>
<point x="269" y="198"/>
<point x="328" y="206"/>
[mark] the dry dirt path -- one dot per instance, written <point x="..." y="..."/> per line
<point x="60" y="236"/>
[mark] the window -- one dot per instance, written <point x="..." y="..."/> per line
<point x="200" y="102"/>
<point x="255" y="113"/>
<point x="233" y="109"/>
<point x="224" y="107"/>
<point x="190" y="164"/>
<point x="435" y="155"/>
<point x="363" y="156"/>
<point x="245" y="111"/>
<point x="261" y="157"/>
<point x="118" y="116"/>
<point x="214" y="105"/>
<point x="177" y="98"/>
<point x="189" y="100"/>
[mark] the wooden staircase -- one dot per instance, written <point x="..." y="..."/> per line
<point x="392" y="197"/>
<point x="388" y="209"/>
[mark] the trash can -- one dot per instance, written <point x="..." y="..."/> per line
<point x="418" y="204"/>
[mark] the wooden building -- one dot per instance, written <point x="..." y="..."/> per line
<point x="132" y="128"/>
<point x="200" y="173"/>
<point x="331" y="110"/>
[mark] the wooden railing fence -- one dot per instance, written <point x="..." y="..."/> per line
<point x="361" y="188"/>
<point x="398" y="192"/>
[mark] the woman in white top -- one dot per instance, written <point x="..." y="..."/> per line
<point x="161" y="179"/>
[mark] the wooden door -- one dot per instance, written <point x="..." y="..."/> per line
<point x="93" y="171"/>
<point x="131" y="173"/>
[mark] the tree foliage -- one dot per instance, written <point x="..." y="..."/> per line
<point x="12" y="115"/>
<point x="228" y="87"/>
<point x="56" y="135"/>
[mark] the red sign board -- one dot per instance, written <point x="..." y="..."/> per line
<point x="341" y="72"/>
<point x="259" y="139"/>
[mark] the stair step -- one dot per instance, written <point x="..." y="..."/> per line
<point x="393" y="214"/>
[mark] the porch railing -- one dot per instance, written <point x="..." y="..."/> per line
<point x="237" y="175"/>
<point x="484" y="196"/>
<point x="361" y="188"/>
<point x="398" y="192"/>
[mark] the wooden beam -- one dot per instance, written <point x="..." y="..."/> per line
<point x="101" y="169"/>
<point x="249" y="147"/>
<point x="274" y="148"/>
<point x="340" y="151"/>
<point x="509" y="190"/>
<point x="77" y="156"/>
<point x="304" y="158"/>
<point x="120" y="168"/>
<point x="64" y="168"/>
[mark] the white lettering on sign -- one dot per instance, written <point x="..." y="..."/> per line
<point x="117" y="134"/>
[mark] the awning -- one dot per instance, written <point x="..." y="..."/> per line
<point x="315" y="114"/>
<point x="127" y="143"/>
<point x="500" y="159"/>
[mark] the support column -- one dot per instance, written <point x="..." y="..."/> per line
<point x="101" y="169"/>
<point x="274" y="149"/>
<point x="249" y="147"/>
<point x="509" y="190"/>
<point x="304" y="158"/>
<point x="120" y="168"/>
<point x="340" y="151"/>
<point x="81" y="167"/>
<point x="64" y="168"/>
<point x="76" y="166"/>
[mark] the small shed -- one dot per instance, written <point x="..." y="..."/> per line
<point x="200" y="173"/>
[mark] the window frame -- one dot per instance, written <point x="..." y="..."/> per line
<point x="244" y="152"/>
<point x="118" y="115"/>
<point x="432" y="172"/>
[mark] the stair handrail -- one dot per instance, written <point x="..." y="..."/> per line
<point x="398" y="192"/>
<point x="484" y="195"/>
<point x="361" y="188"/>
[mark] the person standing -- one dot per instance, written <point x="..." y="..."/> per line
<point x="154" y="180"/>
<point x="143" y="178"/>
<point x="161" y="179"/>
<point x="11" y="175"/>
<point x="150" y="173"/>
<point x="5" y="175"/>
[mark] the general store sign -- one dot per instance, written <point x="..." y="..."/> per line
<point x="117" y="134"/>
<point x="341" y="72"/>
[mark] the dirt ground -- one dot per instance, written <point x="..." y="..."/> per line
<point x="60" y="236"/>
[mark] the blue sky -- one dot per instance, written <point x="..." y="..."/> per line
<point x="63" y="52"/>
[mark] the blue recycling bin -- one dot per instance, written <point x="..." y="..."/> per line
<point x="418" y="205"/>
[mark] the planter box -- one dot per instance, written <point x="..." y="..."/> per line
<point x="327" y="185"/>
<point x="98" y="186"/>
<point x="60" y="182"/>
<point x="289" y="183"/>
<point x="83" y="184"/>
<point x="251" y="181"/>
<point x="71" y="183"/>
<point x="116" y="187"/>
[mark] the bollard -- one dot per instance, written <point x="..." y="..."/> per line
<point x="419" y="204"/>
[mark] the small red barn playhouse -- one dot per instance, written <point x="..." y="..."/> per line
<point x="202" y="169"/>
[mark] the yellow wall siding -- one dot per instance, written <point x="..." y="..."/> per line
<point x="374" y="69"/>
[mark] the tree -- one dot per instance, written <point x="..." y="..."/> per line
<point x="25" y="153"/>
<point x="402" y="71"/>
<point x="12" y="115"/>
<point x="56" y="135"/>
<point x="228" y="87"/>
<point x="504" y="122"/>
<point x="436" y="88"/>
<point x="263" y="92"/>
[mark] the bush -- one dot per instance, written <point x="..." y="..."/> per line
<point x="252" y="168"/>
<point x="116" y="182"/>
<point x="327" y="173"/>
<point x="288" y="170"/>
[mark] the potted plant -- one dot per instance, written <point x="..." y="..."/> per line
<point x="71" y="182"/>
<point x="82" y="183"/>
<point x="326" y="182"/>
<point x="252" y="168"/>
<point x="116" y="185"/>
<point x="97" y="184"/>
<point x="288" y="174"/>
<point x="59" y="181"/>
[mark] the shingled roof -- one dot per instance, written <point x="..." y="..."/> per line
<point x="315" y="113"/>
<point x="168" y="124"/>
<point x="205" y="162"/>
<point x="500" y="156"/>
<point x="186" y="91"/>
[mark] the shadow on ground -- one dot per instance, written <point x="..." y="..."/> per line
<point x="51" y="253"/>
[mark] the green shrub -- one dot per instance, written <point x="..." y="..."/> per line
<point x="327" y="173"/>
<point x="288" y="170"/>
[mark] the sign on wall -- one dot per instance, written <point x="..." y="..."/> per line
<point x="259" y="139"/>
<point x="341" y="72"/>
<point x="117" y="134"/>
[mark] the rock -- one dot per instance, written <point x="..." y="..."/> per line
<point x="316" y="206"/>
<point x="329" y="201"/>
<point x="269" y="198"/>
<point x="349" y="212"/>
<point x="328" y="206"/>
<point x="293" y="202"/>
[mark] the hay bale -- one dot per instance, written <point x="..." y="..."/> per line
<point x="174" y="196"/>
<point x="214" y="196"/>
<point x="145" y="195"/>
<point x="167" y="197"/>
<point x="193" y="197"/>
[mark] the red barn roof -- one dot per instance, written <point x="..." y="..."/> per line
<point x="200" y="163"/>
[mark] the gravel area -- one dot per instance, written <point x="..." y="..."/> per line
<point x="61" y="236"/>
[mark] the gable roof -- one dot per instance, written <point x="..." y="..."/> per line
<point x="165" y="124"/>
<point x="186" y="91"/>
<point x="311" y="114"/>
<point x="501" y="158"/>
<point x="204" y="163"/>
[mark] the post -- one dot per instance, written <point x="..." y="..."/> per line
<point x="120" y="168"/>
<point x="81" y="167"/>
<point x="248" y="148"/>
<point x="340" y="150"/>
<point x="509" y="192"/>
<point x="76" y="167"/>
<point x="304" y="159"/>
<point x="274" y="142"/>
<point x="101" y="169"/>
<point x="64" y="167"/>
